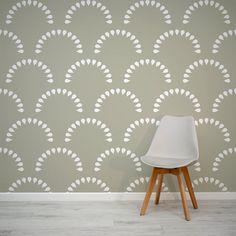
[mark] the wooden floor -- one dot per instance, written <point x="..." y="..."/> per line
<point x="116" y="219"/>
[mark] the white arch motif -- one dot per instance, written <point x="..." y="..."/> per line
<point x="88" y="180"/>
<point x="73" y="97"/>
<point x="118" y="91"/>
<point x="206" y="61"/>
<point x="137" y="123"/>
<point x="59" y="150"/>
<point x="88" y="3"/>
<point x="118" y="32"/>
<point x="58" y="32"/>
<point x="29" y="120"/>
<point x="24" y="3"/>
<point x="91" y="121"/>
<point x="198" y="4"/>
<point x="177" y="32"/>
<point x="29" y="61"/>
<point x="120" y="151"/>
<point x="24" y="180"/>
<point x="89" y="62"/>
<point x="143" y="62"/>
<point x="211" y="181"/>
<point x="151" y="3"/>
<point x="177" y="91"/>
<point x="216" y="123"/>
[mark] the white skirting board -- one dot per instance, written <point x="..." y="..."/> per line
<point x="88" y="196"/>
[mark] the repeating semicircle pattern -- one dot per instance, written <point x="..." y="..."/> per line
<point x="29" y="62"/>
<point x="88" y="86"/>
<point x="177" y="33"/>
<point x="142" y="3"/>
<point x="88" y="3"/>
<point x="118" y="33"/>
<point x="88" y="62"/>
<point x="58" y="33"/>
<point x="206" y="3"/>
<point x="29" y="3"/>
<point x="55" y="152"/>
<point x="58" y="91"/>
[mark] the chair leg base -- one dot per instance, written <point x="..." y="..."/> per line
<point x="149" y="191"/>
<point x="189" y="186"/>
<point x="187" y="218"/>
<point x="178" y="172"/>
<point x="183" y="196"/>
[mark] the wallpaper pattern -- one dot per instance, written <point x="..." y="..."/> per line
<point x="83" y="85"/>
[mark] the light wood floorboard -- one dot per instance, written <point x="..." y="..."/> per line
<point x="216" y="218"/>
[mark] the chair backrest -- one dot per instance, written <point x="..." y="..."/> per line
<point x="175" y="137"/>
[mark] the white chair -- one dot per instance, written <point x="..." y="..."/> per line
<point x="173" y="148"/>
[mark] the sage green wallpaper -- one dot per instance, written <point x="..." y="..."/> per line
<point x="83" y="85"/>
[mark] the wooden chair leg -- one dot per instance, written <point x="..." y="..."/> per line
<point x="149" y="191"/>
<point x="183" y="196"/>
<point x="160" y="180"/>
<point x="190" y="187"/>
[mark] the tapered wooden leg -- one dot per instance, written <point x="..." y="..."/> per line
<point x="149" y="191"/>
<point x="160" y="180"/>
<point x="190" y="187"/>
<point x="183" y="196"/>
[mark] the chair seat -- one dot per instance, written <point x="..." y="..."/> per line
<point x="166" y="162"/>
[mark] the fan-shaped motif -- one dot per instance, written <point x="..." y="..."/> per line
<point x="56" y="151"/>
<point x="60" y="33"/>
<point x="73" y="97"/>
<point x="174" y="92"/>
<point x="88" y="3"/>
<point x="91" y="121"/>
<point x="25" y="3"/>
<point x="34" y="180"/>
<point x="137" y="123"/>
<point x="88" y="180"/>
<point x="206" y="62"/>
<point x="215" y="123"/>
<point x="143" y="62"/>
<point x="180" y="33"/>
<point x="211" y="181"/>
<point x="118" y="151"/>
<point x="122" y="33"/>
<point x="146" y="3"/>
<point x="118" y="91"/>
<point x="34" y="62"/>
<point x="28" y="121"/>
<point x="89" y="62"/>
<point x="203" y="3"/>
